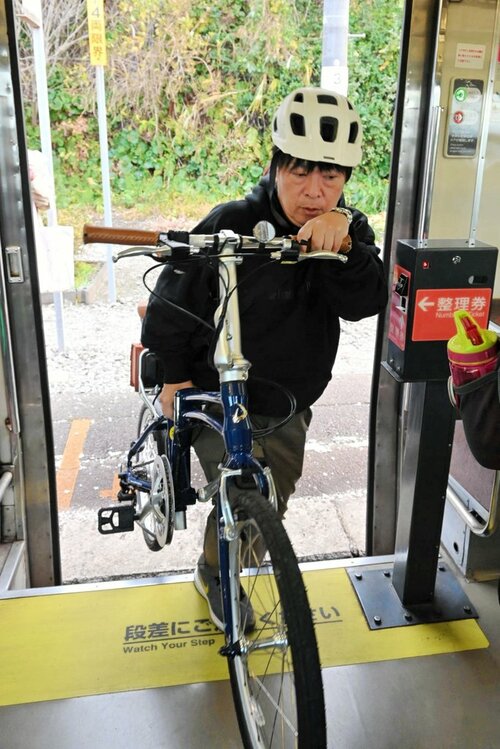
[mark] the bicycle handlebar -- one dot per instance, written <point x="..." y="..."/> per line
<point x="182" y="244"/>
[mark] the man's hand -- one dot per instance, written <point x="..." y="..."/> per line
<point x="325" y="232"/>
<point x="167" y="396"/>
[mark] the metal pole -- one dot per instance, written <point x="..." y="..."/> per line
<point x="46" y="143"/>
<point x="430" y="143"/>
<point x="106" y="189"/>
<point x="422" y="498"/>
<point x="485" y="126"/>
<point x="334" y="70"/>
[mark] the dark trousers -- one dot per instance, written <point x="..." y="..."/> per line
<point x="282" y="451"/>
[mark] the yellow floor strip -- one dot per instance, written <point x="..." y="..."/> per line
<point x="70" y="464"/>
<point x="111" y="493"/>
<point x="93" y="642"/>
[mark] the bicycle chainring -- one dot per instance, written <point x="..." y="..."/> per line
<point x="162" y="505"/>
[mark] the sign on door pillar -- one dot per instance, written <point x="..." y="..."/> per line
<point x="433" y="318"/>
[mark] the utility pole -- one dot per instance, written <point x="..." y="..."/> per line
<point x="334" y="70"/>
<point x="98" y="58"/>
<point x="31" y="12"/>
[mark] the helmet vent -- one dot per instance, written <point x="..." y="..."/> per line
<point x="297" y="124"/>
<point x="328" y="127"/>
<point x="299" y="97"/>
<point x="353" y="132"/>
<point x="326" y="99"/>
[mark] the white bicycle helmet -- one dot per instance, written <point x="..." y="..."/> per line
<point x="318" y="125"/>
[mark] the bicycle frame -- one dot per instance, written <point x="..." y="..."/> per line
<point x="190" y="409"/>
<point x="272" y="706"/>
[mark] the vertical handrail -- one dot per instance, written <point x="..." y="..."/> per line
<point x="479" y="528"/>
<point x="430" y="149"/>
<point x="5" y="482"/>
<point x="483" y="143"/>
<point x="430" y="142"/>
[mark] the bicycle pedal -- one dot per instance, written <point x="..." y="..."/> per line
<point x="115" y="519"/>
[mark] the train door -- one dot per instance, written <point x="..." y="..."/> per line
<point x="444" y="189"/>
<point x="29" y="548"/>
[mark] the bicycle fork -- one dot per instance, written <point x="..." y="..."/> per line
<point x="229" y="569"/>
<point x="229" y="554"/>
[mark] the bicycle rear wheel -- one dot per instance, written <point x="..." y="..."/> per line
<point x="276" y="677"/>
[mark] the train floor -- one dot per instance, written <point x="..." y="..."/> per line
<point x="135" y="664"/>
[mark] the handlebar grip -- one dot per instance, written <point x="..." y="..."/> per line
<point x="109" y="235"/>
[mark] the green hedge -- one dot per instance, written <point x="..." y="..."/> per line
<point x="191" y="90"/>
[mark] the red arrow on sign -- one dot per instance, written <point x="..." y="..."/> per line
<point x="433" y="319"/>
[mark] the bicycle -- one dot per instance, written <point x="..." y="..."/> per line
<point x="274" y="671"/>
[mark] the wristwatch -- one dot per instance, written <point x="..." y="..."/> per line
<point x="345" y="212"/>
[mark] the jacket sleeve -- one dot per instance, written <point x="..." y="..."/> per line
<point x="174" y="336"/>
<point x="358" y="288"/>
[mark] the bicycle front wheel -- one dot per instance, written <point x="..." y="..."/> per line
<point x="276" y="675"/>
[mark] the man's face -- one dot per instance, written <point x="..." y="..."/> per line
<point x="304" y="196"/>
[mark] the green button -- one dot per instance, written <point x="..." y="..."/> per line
<point x="461" y="94"/>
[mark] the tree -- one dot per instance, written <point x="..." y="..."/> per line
<point x="193" y="87"/>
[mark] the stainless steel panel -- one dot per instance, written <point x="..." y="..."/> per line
<point x="383" y="518"/>
<point x="13" y="573"/>
<point x="465" y="199"/>
<point x="199" y="715"/>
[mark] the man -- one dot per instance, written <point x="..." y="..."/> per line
<point x="289" y="313"/>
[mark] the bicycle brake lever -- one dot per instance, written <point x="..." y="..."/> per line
<point x="323" y="254"/>
<point x="170" y="249"/>
<point x="293" y="254"/>
<point x="134" y="252"/>
<point x="296" y="254"/>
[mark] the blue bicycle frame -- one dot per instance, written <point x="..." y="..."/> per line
<point x="236" y="429"/>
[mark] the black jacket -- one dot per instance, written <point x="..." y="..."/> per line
<point x="289" y="313"/>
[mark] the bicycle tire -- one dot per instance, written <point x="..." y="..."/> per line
<point x="156" y="444"/>
<point x="291" y="669"/>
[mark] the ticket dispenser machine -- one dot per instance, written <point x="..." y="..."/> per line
<point x="428" y="284"/>
<point x="430" y="280"/>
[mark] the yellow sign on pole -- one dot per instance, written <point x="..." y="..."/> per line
<point x="97" y="34"/>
